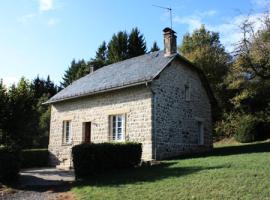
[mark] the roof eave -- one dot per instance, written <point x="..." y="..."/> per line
<point x="97" y="92"/>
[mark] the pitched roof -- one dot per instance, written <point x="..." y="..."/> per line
<point x="126" y="73"/>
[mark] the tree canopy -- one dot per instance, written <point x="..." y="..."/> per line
<point x="136" y="43"/>
<point x="76" y="70"/>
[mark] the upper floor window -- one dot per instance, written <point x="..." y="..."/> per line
<point x="187" y="92"/>
<point x="67" y="132"/>
<point x="117" y="124"/>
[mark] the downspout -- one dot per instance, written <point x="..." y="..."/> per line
<point x="154" y="120"/>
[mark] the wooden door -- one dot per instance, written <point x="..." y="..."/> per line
<point x="87" y="132"/>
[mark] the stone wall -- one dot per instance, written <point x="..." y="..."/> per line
<point x="175" y="119"/>
<point x="134" y="102"/>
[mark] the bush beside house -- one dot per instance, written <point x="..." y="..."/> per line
<point x="34" y="158"/>
<point x="9" y="165"/>
<point x="91" y="159"/>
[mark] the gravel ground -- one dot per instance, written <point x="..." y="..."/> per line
<point x="41" y="184"/>
<point x="29" y="195"/>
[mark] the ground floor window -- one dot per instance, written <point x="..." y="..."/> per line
<point x="200" y="132"/>
<point x="67" y="132"/>
<point x="117" y="126"/>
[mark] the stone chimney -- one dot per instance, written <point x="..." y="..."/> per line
<point x="91" y="69"/>
<point x="170" y="46"/>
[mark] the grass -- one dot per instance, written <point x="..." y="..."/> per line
<point x="230" y="172"/>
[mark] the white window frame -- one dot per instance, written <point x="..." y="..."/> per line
<point x="114" y="127"/>
<point x="200" y="131"/>
<point x="67" y="139"/>
<point x="187" y="91"/>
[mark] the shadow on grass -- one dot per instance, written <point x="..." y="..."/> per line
<point x="231" y="150"/>
<point x="242" y="149"/>
<point x="142" y="174"/>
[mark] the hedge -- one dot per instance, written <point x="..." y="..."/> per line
<point x="9" y="165"/>
<point x="34" y="158"/>
<point x="91" y="159"/>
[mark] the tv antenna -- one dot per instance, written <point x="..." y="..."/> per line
<point x="166" y="8"/>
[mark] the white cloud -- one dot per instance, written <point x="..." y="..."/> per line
<point x="195" y="20"/>
<point x="230" y="32"/>
<point x="45" y="5"/>
<point x="9" y="81"/>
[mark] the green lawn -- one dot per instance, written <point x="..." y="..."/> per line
<point x="231" y="172"/>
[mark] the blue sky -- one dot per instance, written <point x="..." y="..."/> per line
<point x="43" y="36"/>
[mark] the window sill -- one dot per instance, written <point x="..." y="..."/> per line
<point x="67" y="144"/>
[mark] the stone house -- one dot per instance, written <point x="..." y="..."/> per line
<point x="159" y="99"/>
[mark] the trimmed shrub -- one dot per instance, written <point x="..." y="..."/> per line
<point x="34" y="158"/>
<point x="246" y="130"/>
<point x="9" y="165"/>
<point x="91" y="159"/>
<point x="263" y="129"/>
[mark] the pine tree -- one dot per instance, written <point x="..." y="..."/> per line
<point x="22" y="120"/>
<point x="74" y="72"/>
<point x="118" y="47"/>
<point x="136" y="43"/>
<point x="101" y="53"/>
<point x="101" y="58"/>
<point x="154" y="47"/>
<point x="3" y="112"/>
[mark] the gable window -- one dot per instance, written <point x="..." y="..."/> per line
<point x="200" y="132"/>
<point x="187" y="92"/>
<point x="67" y="132"/>
<point x="117" y="126"/>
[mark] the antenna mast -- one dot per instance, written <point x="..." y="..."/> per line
<point x="166" y="8"/>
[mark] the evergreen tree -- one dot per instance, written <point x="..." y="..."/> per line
<point x="3" y="112"/>
<point x="118" y="47"/>
<point x="154" y="47"/>
<point x="42" y="90"/>
<point x="75" y="71"/>
<point x="22" y="121"/>
<point x="51" y="88"/>
<point x="136" y="43"/>
<point x="101" y="53"/>
<point x="101" y="58"/>
<point x="43" y="87"/>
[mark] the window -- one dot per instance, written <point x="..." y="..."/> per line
<point x="187" y="92"/>
<point x="117" y="127"/>
<point x="200" y="134"/>
<point x="66" y="132"/>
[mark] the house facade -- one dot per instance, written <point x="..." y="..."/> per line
<point x="159" y="99"/>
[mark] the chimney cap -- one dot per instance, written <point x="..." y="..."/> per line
<point x="167" y="29"/>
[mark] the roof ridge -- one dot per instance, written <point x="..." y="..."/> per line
<point x="119" y="62"/>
